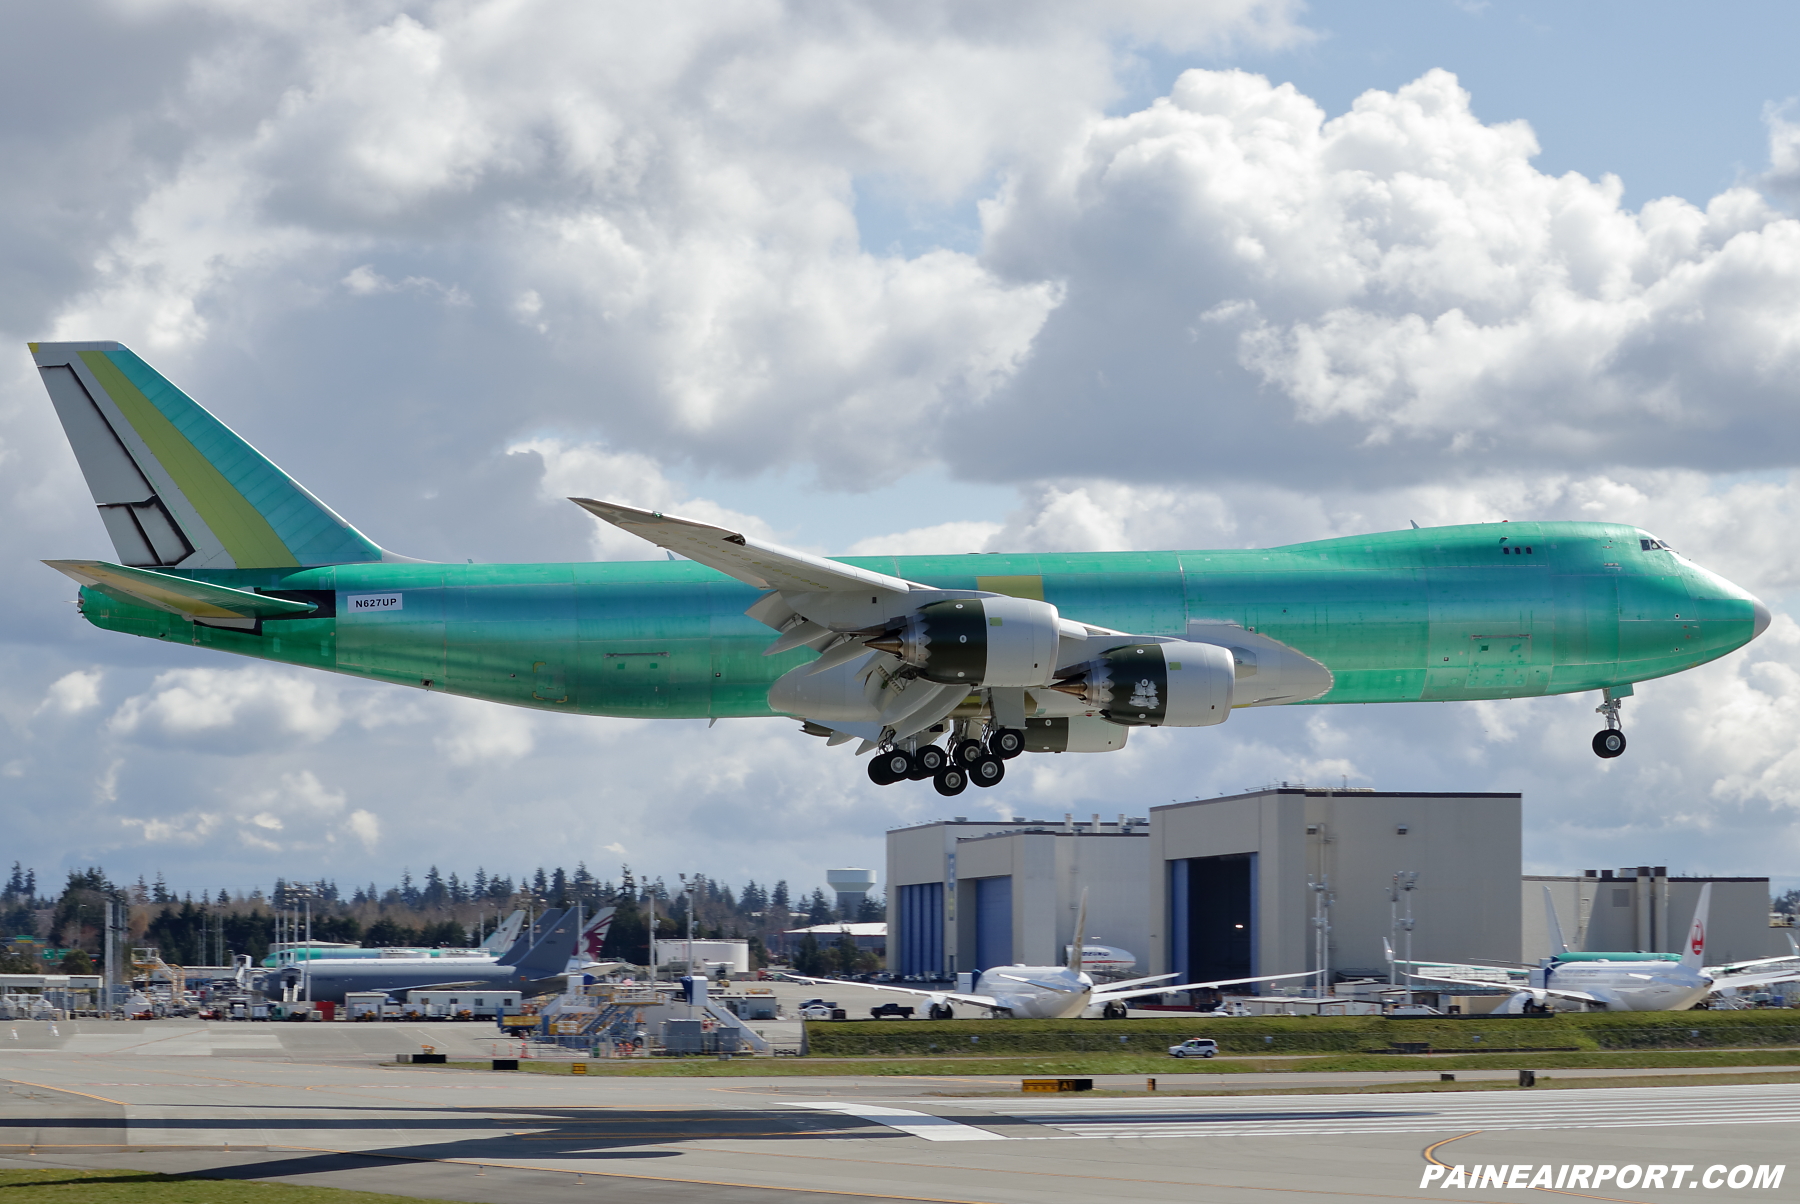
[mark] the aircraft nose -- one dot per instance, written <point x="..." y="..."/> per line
<point x="1762" y="617"/>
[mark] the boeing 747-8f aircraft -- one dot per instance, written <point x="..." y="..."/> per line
<point x="948" y="665"/>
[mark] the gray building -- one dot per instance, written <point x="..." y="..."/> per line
<point x="1640" y="909"/>
<point x="966" y="895"/>
<point x="1229" y="882"/>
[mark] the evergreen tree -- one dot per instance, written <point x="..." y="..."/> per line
<point x="540" y="884"/>
<point x="559" y="889"/>
<point x="409" y="893"/>
<point x="872" y="910"/>
<point x="818" y="908"/>
<point x="479" y="889"/>
<point x="15" y="885"/>
<point x="433" y="895"/>
<point x="224" y="897"/>
<point x="160" y="892"/>
<point x="778" y="900"/>
<point x="809" y="959"/>
<point x="846" y="953"/>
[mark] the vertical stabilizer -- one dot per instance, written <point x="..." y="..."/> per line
<point x="593" y="935"/>
<point x="1075" y="950"/>
<point x="501" y="938"/>
<point x="176" y="487"/>
<point x="1693" y="953"/>
<point x="1558" y="946"/>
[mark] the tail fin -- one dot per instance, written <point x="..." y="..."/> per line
<point x="1558" y="946"/>
<point x="549" y="953"/>
<point x="1693" y="954"/>
<point x="175" y="486"/>
<point x="594" y="935"/>
<point x="501" y="938"/>
<point x="1076" y="949"/>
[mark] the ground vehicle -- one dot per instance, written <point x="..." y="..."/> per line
<point x="891" y="1009"/>
<point x="820" y="1011"/>
<point x="1195" y="1047"/>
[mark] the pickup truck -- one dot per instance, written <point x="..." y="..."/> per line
<point x="891" y="1009"/>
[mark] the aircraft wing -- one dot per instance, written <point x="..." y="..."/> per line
<point x="216" y="604"/>
<point x="750" y="560"/>
<point x="980" y="1001"/>
<point x="1761" y="978"/>
<point x="1482" y="982"/>
<point x="1107" y="996"/>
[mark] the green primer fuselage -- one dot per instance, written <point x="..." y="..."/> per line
<point x="1434" y="614"/>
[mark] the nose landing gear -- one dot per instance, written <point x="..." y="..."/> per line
<point x="1611" y="742"/>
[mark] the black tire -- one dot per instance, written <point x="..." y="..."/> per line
<point x="1006" y="742"/>
<point x="987" y="772"/>
<point x="1609" y="743"/>
<point x="966" y="751"/>
<point x="941" y="1011"/>
<point x="930" y="758"/>
<point x="1113" y="1010"/>
<point x="951" y="780"/>
<point x="886" y="768"/>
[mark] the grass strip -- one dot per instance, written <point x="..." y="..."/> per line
<point x="52" y="1186"/>
<point x="1091" y="1064"/>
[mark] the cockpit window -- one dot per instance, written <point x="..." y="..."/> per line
<point x="1654" y="544"/>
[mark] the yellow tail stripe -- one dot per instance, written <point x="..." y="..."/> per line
<point x="246" y="534"/>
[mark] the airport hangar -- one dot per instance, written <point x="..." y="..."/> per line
<point x="1215" y="887"/>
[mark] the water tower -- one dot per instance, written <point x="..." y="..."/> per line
<point x="852" y="887"/>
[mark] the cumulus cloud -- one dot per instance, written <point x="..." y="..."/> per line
<point x="73" y="693"/>
<point x="229" y="710"/>
<point x="450" y="272"/>
<point x="484" y="734"/>
<point x="1398" y="289"/>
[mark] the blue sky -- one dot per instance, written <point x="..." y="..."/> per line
<point x="954" y="278"/>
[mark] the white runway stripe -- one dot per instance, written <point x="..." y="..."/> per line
<point x="919" y="1124"/>
<point x="1290" y="1116"/>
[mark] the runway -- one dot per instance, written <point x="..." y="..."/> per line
<point x="315" y="1104"/>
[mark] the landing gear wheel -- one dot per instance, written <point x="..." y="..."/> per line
<point x="951" y="780"/>
<point x="928" y="760"/>
<point x="1006" y="742"/>
<point x="987" y="772"/>
<point x="1114" y="1010"/>
<point x="886" y="768"/>
<point x="1609" y="743"/>
<point x="940" y="1011"/>
<point x="967" y="752"/>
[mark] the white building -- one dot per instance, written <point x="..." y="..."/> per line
<point x="964" y="896"/>
<point x="1229" y="882"/>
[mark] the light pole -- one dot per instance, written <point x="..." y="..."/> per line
<point x="1408" y="881"/>
<point x="1321" y="887"/>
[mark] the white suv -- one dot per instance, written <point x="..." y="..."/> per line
<point x="1195" y="1047"/>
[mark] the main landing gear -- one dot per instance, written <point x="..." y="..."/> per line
<point x="1611" y="742"/>
<point x="968" y="759"/>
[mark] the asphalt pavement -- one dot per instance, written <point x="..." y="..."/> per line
<point x="322" y="1103"/>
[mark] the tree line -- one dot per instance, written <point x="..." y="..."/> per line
<point x="432" y="911"/>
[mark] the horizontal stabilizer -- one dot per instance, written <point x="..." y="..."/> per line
<point x="195" y="601"/>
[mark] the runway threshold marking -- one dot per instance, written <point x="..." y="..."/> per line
<point x="919" y="1124"/>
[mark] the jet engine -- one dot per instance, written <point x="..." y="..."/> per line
<point x="996" y="641"/>
<point x="1156" y="685"/>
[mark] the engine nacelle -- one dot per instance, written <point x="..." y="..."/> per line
<point x="1073" y="733"/>
<point x="977" y="642"/>
<point x="1157" y="685"/>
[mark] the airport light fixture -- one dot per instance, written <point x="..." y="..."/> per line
<point x="1408" y="881"/>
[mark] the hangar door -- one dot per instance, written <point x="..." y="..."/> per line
<point x="993" y="922"/>
<point x="1212" y="917"/>
<point x="921" y="915"/>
